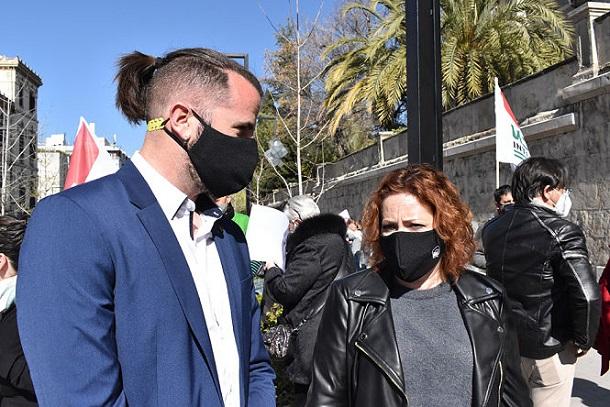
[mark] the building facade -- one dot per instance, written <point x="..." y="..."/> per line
<point x="18" y="135"/>
<point x="54" y="158"/>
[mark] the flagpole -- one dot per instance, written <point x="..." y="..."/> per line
<point x="497" y="162"/>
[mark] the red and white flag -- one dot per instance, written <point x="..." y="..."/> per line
<point x="510" y="143"/>
<point x="88" y="160"/>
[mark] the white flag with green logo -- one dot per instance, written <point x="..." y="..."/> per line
<point x="510" y="143"/>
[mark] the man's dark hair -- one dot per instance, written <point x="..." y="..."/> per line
<point x="11" y="236"/>
<point x="500" y="192"/>
<point x="535" y="174"/>
<point x="145" y="83"/>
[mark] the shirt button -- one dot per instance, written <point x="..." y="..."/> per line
<point x="500" y="329"/>
<point x="488" y="290"/>
<point x="357" y="293"/>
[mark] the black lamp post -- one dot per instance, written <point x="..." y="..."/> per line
<point x="424" y="108"/>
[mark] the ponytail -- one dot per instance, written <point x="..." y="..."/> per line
<point x="135" y="72"/>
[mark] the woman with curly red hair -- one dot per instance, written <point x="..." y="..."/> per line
<point x="416" y="328"/>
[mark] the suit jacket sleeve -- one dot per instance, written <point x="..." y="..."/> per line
<point x="572" y="264"/>
<point x="65" y="302"/>
<point x="329" y="376"/>
<point x="261" y="387"/>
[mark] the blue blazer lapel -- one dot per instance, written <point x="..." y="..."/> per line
<point x="153" y="219"/>
<point x="228" y="253"/>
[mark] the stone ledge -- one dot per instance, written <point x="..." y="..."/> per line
<point x="534" y="131"/>
<point x="586" y="89"/>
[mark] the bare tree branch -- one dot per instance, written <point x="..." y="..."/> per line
<point x="271" y="22"/>
<point x="318" y="134"/>
<point x="282" y="118"/>
<point x="314" y="24"/>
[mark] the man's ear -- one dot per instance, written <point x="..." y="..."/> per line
<point x="546" y="194"/>
<point x="178" y="120"/>
<point x="4" y="263"/>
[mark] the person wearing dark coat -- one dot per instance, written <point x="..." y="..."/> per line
<point x="16" y="388"/>
<point x="541" y="259"/>
<point x="317" y="253"/>
<point x="417" y="329"/>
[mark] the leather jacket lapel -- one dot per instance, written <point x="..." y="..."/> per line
<point x="375" y="340"/>
<point x="377" y="343"/>
<point x="487" y="339"/>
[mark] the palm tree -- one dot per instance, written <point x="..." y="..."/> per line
<point x="480" y="40"/>
<point x="483" y="39"/>
<point x="370" y="69"/>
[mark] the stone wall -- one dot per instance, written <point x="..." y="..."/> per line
<point x="564" y="113"/>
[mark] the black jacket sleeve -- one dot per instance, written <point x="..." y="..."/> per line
<point x="329" y="373"/>
<point x="572" y="264"/>
<point x="301" y="272"/>
<point x="515" y="392"/>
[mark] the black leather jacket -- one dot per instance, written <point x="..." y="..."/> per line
<point x="357" y="360"/>
<point x="543" y="263"/>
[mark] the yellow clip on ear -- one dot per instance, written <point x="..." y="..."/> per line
<point x="155" y="124"/>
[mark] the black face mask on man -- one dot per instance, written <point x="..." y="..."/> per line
<point x="410" y="255"/>
<point x="225" y="164"/>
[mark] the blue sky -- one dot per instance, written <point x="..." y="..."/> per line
<point x="74" y="45"/>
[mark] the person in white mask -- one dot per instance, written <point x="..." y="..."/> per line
<point x="16" y="387"/>
<point x="541" y="258"/>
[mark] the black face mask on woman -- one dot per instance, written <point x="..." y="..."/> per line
<point x="225" y="164"/>
<point x="410" y="255"/>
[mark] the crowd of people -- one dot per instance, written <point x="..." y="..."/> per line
<point x="136" y="289"/>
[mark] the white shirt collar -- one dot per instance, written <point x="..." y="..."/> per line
<point x="173" y="202"/>
<point x="170" y="198"/>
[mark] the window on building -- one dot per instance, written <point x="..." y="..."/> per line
<point x="32" y="101"/>
<point x="20" y="98"/>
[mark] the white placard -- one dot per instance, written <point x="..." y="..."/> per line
<point x="266" y="235"/>
<point x="344" y="214"/>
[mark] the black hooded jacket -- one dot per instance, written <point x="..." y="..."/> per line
<point x="316" y="253"/>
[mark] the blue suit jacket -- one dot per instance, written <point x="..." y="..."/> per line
<point x="108" y="311"/>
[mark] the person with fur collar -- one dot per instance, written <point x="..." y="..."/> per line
<point x="317" y="253"/>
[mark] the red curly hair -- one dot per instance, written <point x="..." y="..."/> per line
<point x="451" y="215"/>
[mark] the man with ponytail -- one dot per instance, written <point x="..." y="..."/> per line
<point x="134" y="289"/>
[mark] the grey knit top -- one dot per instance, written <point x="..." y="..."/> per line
<point x="434" y="347"/>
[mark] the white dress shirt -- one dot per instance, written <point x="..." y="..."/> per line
<point x="204" y="262"/>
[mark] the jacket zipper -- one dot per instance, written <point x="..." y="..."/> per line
<point x="498" y="362"/>
<point x="389" y="376"/>
<point x="500" y="385"/>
